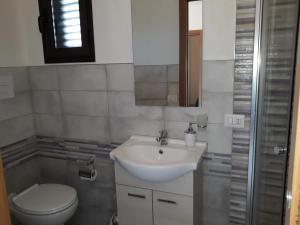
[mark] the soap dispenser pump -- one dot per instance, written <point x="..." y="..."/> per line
<point x="190" y="136"/>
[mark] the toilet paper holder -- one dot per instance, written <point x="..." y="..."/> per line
<point x="87" y="170"/>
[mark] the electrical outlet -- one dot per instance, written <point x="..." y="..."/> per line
<point x="234" y="121"/>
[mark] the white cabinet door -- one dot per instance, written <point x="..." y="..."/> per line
<point x="134" y="206"/>
<point x="171" y="209"/>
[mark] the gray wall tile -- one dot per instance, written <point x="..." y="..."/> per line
<point x="218" y="137"/>
<point x="20" y="105"/>
<point x="216" y="105"/>
<point x="16" y="129"/>
<point x="176" y="129"/>
<point x="218" y="76"/>
<point x="87" y="128"/>
<point x="216" y="191"/>
<point x="20" y="177"/>
<point x="122" y="105"/>
<point x="82" y="77"/>
<point x="44" y="78"/>
<point x="48" y="125"/>
<point x="120" y="77"/>
<point x="151" y="90"/>
<point x="84" y="103"/>
<point x="215" y="216"/>
<point x="173" y="88"/>
<point x="182" y="114"/>
<point x="122" y="129"/>
<point x="16" y="113"/>
<point x="53" y="170"/>
<point x="20" y="77"/>
<point x="46" y="102"/>
<point x="150" y="73"/>
<point x="151" y="102"/>
<point x="173" y="73"/>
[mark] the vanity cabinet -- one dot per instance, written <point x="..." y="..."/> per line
<point x="172" y="209"/>
<point x="134" y="205"/>
<point x="148" y="207"/>
<point x="176" y="202"/>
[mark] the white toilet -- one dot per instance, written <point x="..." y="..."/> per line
<point x="44" y="204"/>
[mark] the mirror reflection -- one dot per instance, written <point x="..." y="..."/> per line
<point x="167" y="48"/>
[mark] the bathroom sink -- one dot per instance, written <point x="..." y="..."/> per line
<point x="146" y="159"/>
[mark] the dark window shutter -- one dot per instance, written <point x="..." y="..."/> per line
<point x="67" y="30"/>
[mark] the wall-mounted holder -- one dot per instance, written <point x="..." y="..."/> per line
<point x="87" y="170"/>
<point x="202" y="121"/>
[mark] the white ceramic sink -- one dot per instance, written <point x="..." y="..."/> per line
<point x="145" y="159"/>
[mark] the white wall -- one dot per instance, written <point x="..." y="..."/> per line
<point x="156" y="29"/>
<point x="12" y="49"/>
<point x="21" y="43"/>
<point x="219" y="25"/>
<point x="32" y="36"/>
<point x="155" y="32"/>
<point x="195" y="15"/>
<point x="112" y="28"/>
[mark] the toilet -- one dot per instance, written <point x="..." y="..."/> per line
<point x="44" y="204"/>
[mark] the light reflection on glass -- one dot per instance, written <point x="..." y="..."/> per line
<point x="67" y="23"/>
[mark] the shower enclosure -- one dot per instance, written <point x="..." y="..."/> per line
<point x="274" y="59"/>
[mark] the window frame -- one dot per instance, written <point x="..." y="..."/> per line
<point x="86" y="53"/>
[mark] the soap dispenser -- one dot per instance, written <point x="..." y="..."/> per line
<point x="190" y="136"/>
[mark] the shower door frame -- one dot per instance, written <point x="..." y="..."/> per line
<point x="254" y="110"/>
<point x="255" y="104"/>
<point x="292" y="212"/>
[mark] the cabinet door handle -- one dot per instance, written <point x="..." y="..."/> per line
<point x="167" y="201"/>
<point x="136" y="196"/>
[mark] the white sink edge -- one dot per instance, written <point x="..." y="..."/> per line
<point x="156" y="172"/>
<point x="191" y="164"/>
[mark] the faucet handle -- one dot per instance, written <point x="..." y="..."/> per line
<point x="163" y="133"/>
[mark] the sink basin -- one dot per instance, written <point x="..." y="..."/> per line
<point x="145" y="159"/>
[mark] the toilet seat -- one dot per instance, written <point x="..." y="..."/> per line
<point x="44" y="199"/>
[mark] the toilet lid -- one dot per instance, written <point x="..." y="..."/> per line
<point x="45" y="198"/>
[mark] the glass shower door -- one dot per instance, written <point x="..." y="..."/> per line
<point x="277" y="56"/>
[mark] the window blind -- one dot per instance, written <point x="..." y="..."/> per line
<point x="66" y="23"/>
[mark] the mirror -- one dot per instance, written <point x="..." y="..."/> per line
<point x="167" y="52"/>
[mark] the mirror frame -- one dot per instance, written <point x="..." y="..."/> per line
<point x="183" y="52"/>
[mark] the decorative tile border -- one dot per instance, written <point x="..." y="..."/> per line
<point x="242" y="105"/>
<point x="53" y="148"/>
<point x="215" y="164"/>
<point x="18" y="152"/>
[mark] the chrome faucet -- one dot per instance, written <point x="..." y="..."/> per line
<point x="163" y="138"/>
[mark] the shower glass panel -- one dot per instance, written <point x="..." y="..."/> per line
<point x="277" y="53"/>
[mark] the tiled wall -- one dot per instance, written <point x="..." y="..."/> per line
<point x="42" y="160"/>
<point x="50" y="161"/>
<point x="16" y="118"/>
<point x="242" y="105"/>
<point x="155" y="84"/>
<point x="97" y="102"/>
<point x="97" y="201"/>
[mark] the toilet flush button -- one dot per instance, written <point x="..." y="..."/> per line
<point x="6" y="87"/>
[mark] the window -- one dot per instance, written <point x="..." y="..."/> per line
<point x="67" y="30"/>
